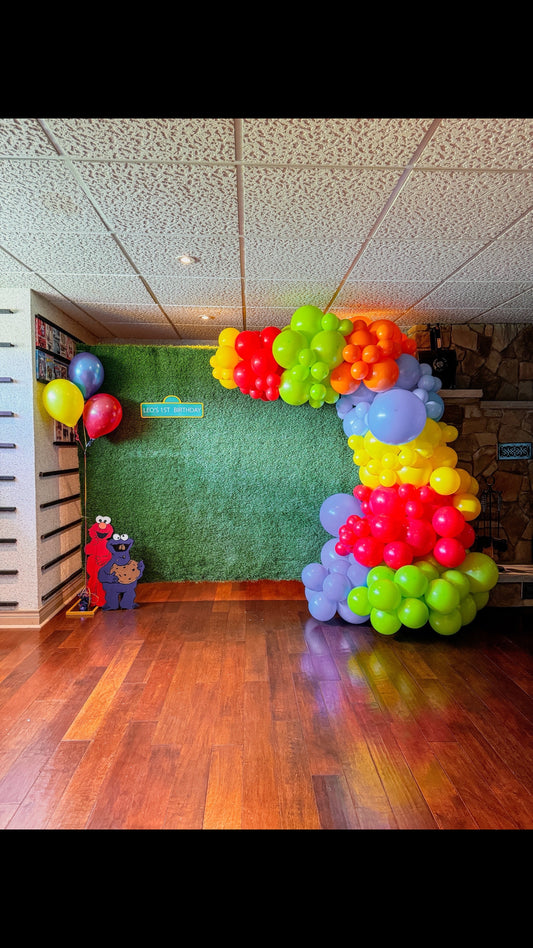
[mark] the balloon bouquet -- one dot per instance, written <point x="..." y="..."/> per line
<point x="78" y="397"/>
<point x="399" y="552"/>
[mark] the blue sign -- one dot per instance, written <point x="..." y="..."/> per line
<point x="172" y="407"/>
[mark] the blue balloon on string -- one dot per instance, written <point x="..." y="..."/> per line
<point x="86" y="372"/>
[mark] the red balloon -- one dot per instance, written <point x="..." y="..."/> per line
<point x="247" y="343"/>
<point x="368" y="551"/>
<point x="101" y="415"/>
<point x="385" y="528"/>
<point x="448" y="551"/>
<point x="448" y="521"/>
<point x="267" y="336"/>
<point x="397" y="554"/>
<point x="244" y="376"/>
<point x="467" y="536"/>
<point x="385" y="500"/>
<point x="420" y="536"/>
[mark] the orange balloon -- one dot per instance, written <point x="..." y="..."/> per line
<point x="409" y="346"/>
<point x="360" y="370"/>
<point x="342" y="380"/>
<point x="371" y="354"/>
<point x="351" y="353"/>
<point x="382" y="376"/>
<point x="362" y="337"/>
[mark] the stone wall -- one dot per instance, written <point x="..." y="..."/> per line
<point x="492" y="405"/>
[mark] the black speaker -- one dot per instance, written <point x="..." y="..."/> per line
<point x="443" y="364"/>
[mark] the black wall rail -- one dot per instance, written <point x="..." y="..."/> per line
<point x="67" y="526"/>
<point x="7" y="414"/>
<point x="4" y="605"/>
<point x="7" y="445"/>
<point x="8" y="572"/>
<point x="6" y="540"/>
<point x="61" y="500"/>
<point x="65" y="470"/>
<point x="59" y="559"/>
<point x="7" y="477"/>
<point x="60" y="586"/>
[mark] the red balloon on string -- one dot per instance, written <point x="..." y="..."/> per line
<point x="101" y="415"/>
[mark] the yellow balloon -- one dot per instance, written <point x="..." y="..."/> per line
<point x="228" y="336"/>
<point x="445" y="480"/>
<point x="63" y="401"/>
<point x="467" y="504"/>
<point x="227" y="358"/>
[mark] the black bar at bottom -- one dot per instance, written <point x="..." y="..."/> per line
<point x="65" y="582"/>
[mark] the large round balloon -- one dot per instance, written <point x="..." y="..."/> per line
<point x="101" y="415"/>
<point x="336" y="509"/>
<point x="63" y="401"/>
<point x="396" y="416"/>
<point x="87" y="372"/>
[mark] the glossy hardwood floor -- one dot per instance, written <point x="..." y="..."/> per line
<point x="226" y="706"/>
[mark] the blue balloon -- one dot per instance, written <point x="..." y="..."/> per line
<point x="409" y="371"/>
<point x="331" y="559"/>
<point x="348" y="615"/>
<point x="336" y="586"/>
<point x="434" y="407"/>
<point x="336" y="509"/>
<point x="321" y="607"/>
<point x="86" y="372"/>
<point x="313" y="576"/>
<point x="396" y="416"/>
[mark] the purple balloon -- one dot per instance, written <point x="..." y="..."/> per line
<point x="346" y="613"/>
<point x="396" y="416"/>
<point x="313" y="576"/>
<point x="336" y="509"/>
<point x="321" y="607"/>
<point x="331" y="559"/>
<point x="86" y="372"/>
<point x="409" y="371"/>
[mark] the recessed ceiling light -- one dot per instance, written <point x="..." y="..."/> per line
<point x="186" y="259"/>
<point x="206" y="316"/>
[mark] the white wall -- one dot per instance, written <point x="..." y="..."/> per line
<point x="32" y="430"/>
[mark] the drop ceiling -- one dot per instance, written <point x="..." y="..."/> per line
<point x="423" y="221"/>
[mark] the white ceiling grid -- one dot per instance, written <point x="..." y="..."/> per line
<point x="422" y="221"/>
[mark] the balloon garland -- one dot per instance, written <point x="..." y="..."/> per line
<point x="78" y="397"/>
<point x="399" y="552"/>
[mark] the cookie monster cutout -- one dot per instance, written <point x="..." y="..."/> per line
<point x="97" y="556"/>
<point x="120" y="574"/>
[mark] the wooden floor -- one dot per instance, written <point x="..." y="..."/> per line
<point x="226" y="706"/>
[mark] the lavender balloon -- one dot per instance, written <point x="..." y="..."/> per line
<point x="86" y="372"/>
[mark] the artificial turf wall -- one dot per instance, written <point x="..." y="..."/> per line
<point x="232" y="495"/>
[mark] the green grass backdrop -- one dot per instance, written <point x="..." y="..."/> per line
<point x="234" y="495"/>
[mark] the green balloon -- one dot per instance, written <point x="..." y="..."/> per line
<point x="441" y="596"/>
<point x="319" y="370"/>
<point x="345" y="327"/>
<point x="445" y="624"/>
<point x="307" y="319"/>
<point x="481" y="570"/>
<point x="286" y="347"/>
<point x="379" y="572"/>
<point x="468" y="609"/>
<point x="385" y="595"/>
<point x="457" y="579"/>
<point x="387" y="623"/>
<point x="480" y="599"/>
<point x="292" y="391"/>
<point x="411" y="580"/>
<point x="330" y="322"/>
<point x="357" y="600"/>
<point x="328" y="346"/>
<point x="317" y="392"/>
<point x="413" y="613"/>
<point x="331" y="395"/>
<point x="429" y="570"/>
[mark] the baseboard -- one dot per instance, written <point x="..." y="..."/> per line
<point x="36" y="618"/>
